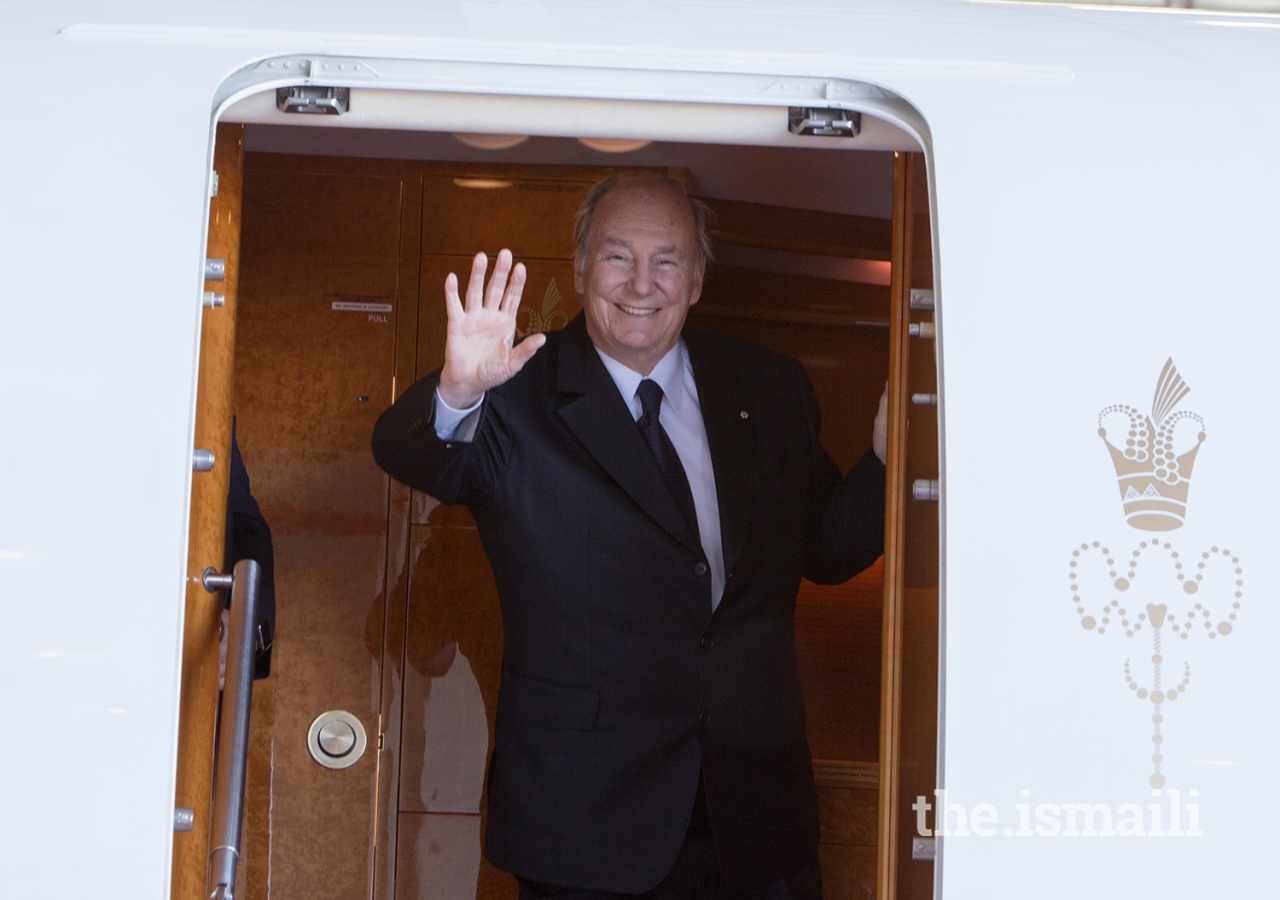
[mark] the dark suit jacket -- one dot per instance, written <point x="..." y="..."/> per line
<point x="248" y="536"/>
<point x="619" y="684"/>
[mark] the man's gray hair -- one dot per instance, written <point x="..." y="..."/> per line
<point x="582" y="222"/>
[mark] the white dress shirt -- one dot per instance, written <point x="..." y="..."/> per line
<point x="681" y="418"/>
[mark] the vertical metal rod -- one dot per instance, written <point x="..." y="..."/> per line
<point x="896" y="488"/>
<point x="233" y="736"/>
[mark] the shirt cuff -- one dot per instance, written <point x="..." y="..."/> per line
<point x="456" y="424"/>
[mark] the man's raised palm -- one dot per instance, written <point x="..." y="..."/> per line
<point x="479" y="350"/>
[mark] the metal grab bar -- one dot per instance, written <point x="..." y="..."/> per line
<point x="233" y="736"/>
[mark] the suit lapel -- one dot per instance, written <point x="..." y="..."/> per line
<point x="600" y="419"/>
<point x="730" y="437"/>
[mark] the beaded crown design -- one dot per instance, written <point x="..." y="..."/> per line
<point x="1154" y="480"/>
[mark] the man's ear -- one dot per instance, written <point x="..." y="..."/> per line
<point x="695" y="290"/>
<point x="579" y="277"/>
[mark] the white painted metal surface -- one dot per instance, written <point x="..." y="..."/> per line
<point x="1105" y="192"/>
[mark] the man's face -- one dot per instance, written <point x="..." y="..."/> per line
<point x="640" y="277"/>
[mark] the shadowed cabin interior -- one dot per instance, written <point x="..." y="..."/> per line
<point x="386" y="605"/>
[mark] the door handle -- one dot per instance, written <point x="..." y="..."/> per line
<point x="233" y="737"/>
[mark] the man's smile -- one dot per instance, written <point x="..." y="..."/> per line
<point x="635" y="310"/>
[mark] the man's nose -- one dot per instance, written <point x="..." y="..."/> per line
<point x="642" y="281"/>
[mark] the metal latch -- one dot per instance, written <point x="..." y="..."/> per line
<point x="824" y="122"/>
<point x="314" y="99"/>
<point x="921" y="298"/>
<point x="184" y="818"/>
<point x="927" y="489"/>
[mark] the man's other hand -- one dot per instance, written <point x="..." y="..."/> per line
<point x="880" y="431"/>
<point x="479" y="350"/>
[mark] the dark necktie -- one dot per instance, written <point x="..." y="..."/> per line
<point x="664" y="451"/>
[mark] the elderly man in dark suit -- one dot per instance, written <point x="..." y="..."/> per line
<point x="649" y="497"/>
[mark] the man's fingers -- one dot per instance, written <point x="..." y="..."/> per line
<point x="511" y="299"/>
<point x="522" y="352"/>
<point x="452" y="303"/>
<point x="475" y="287"/>
<point x="498" y="281"/>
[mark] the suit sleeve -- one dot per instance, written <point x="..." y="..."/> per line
<point x="406" y="447"/>
<point x="846" y="515"/>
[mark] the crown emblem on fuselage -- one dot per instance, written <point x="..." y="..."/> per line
<point x="1154" y="478"/>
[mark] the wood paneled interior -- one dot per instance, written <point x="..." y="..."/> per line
<point x="838" y="643"/>
<point x="800" y="230"/>
<point x="317" y="232"/>
<point x="207" y="539"/>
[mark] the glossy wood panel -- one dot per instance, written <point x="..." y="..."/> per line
<point x="527" y="209"/>
<point x="800" y="230"/>
<point x="461" y="218"/>
<point x="199" y="701"/>
<point x="453" y="634"/>
<point x="838" y="646"/>
<point x="311" y="379"/>
<point x="896" y="497"/>
<point x="386" y="833"/>
<point x="453" y="655"/>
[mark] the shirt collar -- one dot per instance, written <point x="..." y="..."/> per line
<point x="668" y="373"/>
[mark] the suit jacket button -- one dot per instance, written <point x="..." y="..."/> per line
<point x="700" y="569"/>
<point x="704" y="718"/>
<point x="706" y="642"/>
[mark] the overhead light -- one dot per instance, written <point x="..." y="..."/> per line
<point x="487" y="184"/>
<point x="323" y="101"/>
<point x="824" y="122"/>
<point x="612" y="145"/>
<point x="491" y="141"/>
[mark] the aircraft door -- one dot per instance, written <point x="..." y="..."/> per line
<point x="207" y="540"/>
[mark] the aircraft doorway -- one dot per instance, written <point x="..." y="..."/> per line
<point x="386" y="605"/>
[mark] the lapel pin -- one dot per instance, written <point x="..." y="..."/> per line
<point x="743" y="414"/>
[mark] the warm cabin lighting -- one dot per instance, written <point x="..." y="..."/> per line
<point x="491" y="141"/>
<point x="484" y="184"/>
<point x="612" y="145"/>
